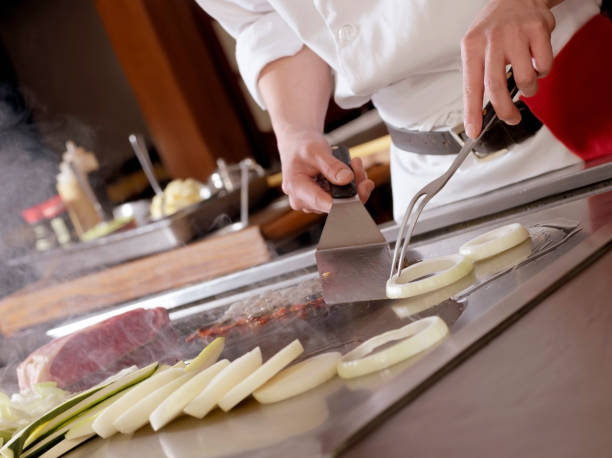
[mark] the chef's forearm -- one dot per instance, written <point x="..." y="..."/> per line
<point x="296" y="91"/>
<point x="552" y="3"/>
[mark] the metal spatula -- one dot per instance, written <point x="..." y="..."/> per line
<point x="353" y="257"/>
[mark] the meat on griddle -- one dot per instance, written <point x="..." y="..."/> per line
<point x="88" y="356"/>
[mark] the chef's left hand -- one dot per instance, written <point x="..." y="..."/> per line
<point x="515" y="32"/>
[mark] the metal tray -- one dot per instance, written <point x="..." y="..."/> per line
<point x="157" y="236"/>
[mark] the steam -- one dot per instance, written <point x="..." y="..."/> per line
<point x="27" y="176"/>
<point x="29" y="157"/>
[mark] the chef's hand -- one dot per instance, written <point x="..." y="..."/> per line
<point x="515" y="32"/>
<point x="305" y="155"/>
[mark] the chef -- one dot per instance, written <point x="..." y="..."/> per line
<point x="425" y="65"/>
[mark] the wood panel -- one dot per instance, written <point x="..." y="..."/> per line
<point x="194" y="263"/>
<point x="170" y="68"/>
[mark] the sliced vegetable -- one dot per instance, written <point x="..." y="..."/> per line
<point x="82" y="425"/>
<point x="208" y="356"/>
<point x="299" y="378"/>
<point x="255" y="380"/>
<point x="65" y="446"/>
<point x="174" y="404"/>
<point x="494" y="242"/>
<point x="105" y="392"/>
<point x="78" y="423"/>
<point x="6" y="452"/>
<point x="138" y="415"/>
<point x="428" y="275"/>
<point x="223" y="382"/>
<point x="103" y="425"/>
<point x="413" y="339"/>
<point x="409" y="306"/>
<point x="51" y="420"/>
<point x="45" y="444"/>
<point x="20" y="409"/>
<point x="487" y="268"/>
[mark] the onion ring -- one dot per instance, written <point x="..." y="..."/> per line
<point x="487" y="268"/>
<point x="410" y="306"/>
<point x="494" y="242"/>
<point x="446" y="270"/>
<point x="414" y="338"/>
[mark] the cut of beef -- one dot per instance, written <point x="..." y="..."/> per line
<point x="78" y="356"/>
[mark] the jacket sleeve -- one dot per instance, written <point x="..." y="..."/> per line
<point x="262" y="36"/>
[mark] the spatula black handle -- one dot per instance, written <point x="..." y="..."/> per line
<point x="341" y="153"/>
<point x="488" y="112"/>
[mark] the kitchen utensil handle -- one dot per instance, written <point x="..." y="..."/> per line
<point x="341" y="153"/>
<point x="488" y="113"/>
<point x="140" y="149"/>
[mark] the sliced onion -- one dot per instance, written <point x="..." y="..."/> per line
<point x="223" y="382"/>
<point x="487" y="268"/>
<point x="494" y="242"/>
<point x="299" y="378"/>
<point x="443" y="271"/>
<point x="268" y="370"/>
<point x="407" y="307"/>
<point x="413" y="339"/>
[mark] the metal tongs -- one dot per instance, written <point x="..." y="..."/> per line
<point x="423" y="196"/>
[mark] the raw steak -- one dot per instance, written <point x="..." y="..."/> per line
<point x="72" y="358"/>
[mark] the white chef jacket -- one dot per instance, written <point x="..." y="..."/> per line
<point x="405" y="56"/>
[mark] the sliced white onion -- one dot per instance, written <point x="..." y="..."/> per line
<point x="407" y="307"/>
<point x="413" y="339"/>
<point x="487" y="268"/>
<point x="268" y="370"/>
<point x="442" y="272"/>
<point x="494" y="242"/>
<point x="174" y="404"/>
<point x="223" y="382"/>
<point x="299" y="378"/>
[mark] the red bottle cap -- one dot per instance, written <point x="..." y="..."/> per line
<point x="52" y="207"/>
<point x="32" y="215"/>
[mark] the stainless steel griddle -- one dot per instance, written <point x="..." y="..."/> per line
<point x="541" y="192"/>
<point x="572" y="230"/>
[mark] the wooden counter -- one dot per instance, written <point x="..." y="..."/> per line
<point x="197" y="262"/>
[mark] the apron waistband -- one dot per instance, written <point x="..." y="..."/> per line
<point x="499" y="136"/>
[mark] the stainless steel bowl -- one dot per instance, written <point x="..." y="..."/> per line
<point x="138" y="209"/>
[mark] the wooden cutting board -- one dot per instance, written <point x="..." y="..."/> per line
<point x="193" y="263"/>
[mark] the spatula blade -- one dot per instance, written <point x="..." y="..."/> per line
<point x="354" y="274"/>
<point x="353" y="257"/>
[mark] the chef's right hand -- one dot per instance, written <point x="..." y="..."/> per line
<point x="305" y="155"/>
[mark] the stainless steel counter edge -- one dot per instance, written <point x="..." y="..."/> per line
<point x="510" y="197"/>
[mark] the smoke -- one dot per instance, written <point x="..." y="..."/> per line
<point x="29" y="157"/>
<point x="27" y="177"/>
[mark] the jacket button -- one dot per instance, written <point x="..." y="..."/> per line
<point x="347" y="33"/>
